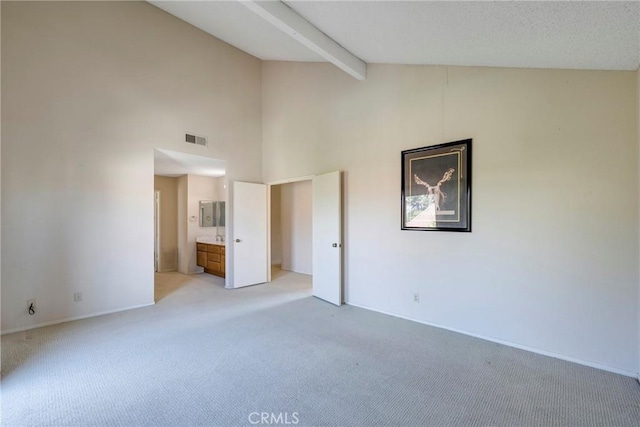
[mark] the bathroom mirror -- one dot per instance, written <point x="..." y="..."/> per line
<point x="208" y="213"/>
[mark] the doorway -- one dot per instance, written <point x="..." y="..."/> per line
<point x="182" y="182"/>
<point x="291" y="228"/>
<point x="310" y="212"/>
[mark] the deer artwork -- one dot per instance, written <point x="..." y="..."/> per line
<point x="435" y="189"/>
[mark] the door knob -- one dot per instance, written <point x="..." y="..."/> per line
<point x="335" y="245"/>
<point x="237" y="240"/>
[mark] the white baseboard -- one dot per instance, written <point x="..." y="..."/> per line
<point x="509" y="344"/>
<point x="70" y="319"/>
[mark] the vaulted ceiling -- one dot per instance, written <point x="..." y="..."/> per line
<point x="599" y="35"/>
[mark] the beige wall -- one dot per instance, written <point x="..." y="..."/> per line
<point x="296" y="226"/>
<point x="168" y="187"/>
<point x="89" y="89"/>
<point x="276" y="225"/>
<point x="552" y="262"/>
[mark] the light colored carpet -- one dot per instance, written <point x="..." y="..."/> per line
<point x="204" y="355"/>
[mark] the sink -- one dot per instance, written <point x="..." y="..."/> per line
<point x="210" y="240"/>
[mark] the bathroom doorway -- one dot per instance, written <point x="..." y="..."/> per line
<point x="181" y="183"/>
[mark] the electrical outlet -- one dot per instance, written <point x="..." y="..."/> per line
<point x="416" y="297"/>
<point x="31" y="306"/>
<point x="77" y="297"/>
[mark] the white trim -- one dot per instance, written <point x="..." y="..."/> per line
<point x="508" y="343"/>
<point x="71" y="319"/>
<point x="269" y="267"/>
<point x="156" y="237"/>
<point x="290" y="180"/>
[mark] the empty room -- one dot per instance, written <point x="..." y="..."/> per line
<point x="320" y="213"/>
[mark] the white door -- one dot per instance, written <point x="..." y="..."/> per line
<point x="249" y="234"/>
<point x="327" y="238"/>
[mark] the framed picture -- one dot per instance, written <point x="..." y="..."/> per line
<point x="436" y="187"/>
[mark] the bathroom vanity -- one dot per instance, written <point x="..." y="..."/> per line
<point x="211" y="256"/>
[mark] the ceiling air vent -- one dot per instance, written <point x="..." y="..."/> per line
<point x="194" y="139"/>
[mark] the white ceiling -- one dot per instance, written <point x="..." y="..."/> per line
<point x="173" y="163"/>
<point x="233" y="23"/>
<point x="602" y="35"/>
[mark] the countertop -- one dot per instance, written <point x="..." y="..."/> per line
<point x="209" y="241"/>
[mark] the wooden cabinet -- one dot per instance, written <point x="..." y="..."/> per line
<point x="202" y="258"/>
<point x="212" y="258"/>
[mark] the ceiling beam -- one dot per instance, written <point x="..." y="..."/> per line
<point x="290" y="22"/>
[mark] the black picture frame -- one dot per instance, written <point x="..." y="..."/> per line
<point x="436" y="187"/>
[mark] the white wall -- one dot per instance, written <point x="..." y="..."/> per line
<point x="296" y="223"/>
<point x="221" y="188"/>
<point x="276" y="225"/>
<point x="168" y="256"/>
<point x="89" y="89"/>
<point x="221" y="195"/>
<point x="552" y="262"/>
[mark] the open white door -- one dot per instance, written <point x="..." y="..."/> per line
<point x="249" y="233"/>
<point x="327" y="238"/>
